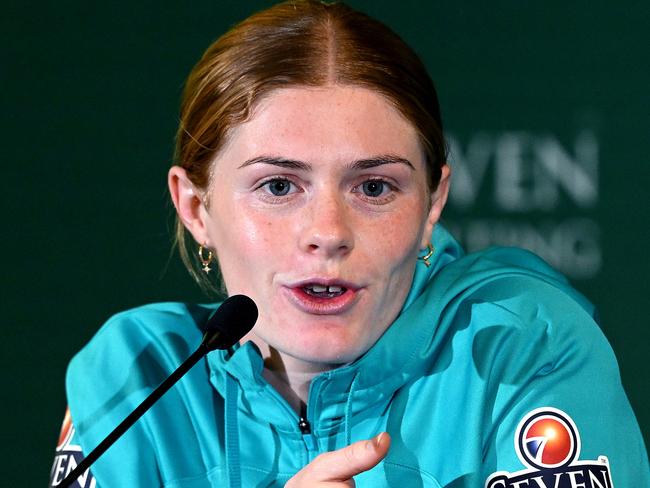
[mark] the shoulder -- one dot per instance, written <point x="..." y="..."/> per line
<point x="153" y="325"/>
<point x="154" y="318"/>
<point x="536" y="346"/>
<point x="173" y="328"/>
<point x="518" y="338"/>
<point x="516" y="283"/>
<point x="133" y="352"/>
<point x="514" y="309"/>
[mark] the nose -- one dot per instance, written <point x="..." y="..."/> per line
<point x="327" y="230"/>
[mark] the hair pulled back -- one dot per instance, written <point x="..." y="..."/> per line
<point x="298" y="43"/>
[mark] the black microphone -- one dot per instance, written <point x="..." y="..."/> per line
<point x="229" y="323"/>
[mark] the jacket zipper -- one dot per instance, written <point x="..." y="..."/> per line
<point x="308" y="438"/>
<point x="304" y="426"/>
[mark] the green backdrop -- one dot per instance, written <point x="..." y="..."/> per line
<point x="546" y="105"/>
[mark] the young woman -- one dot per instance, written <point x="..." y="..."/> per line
<point x="311" y="172"/>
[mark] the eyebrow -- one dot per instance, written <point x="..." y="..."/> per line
<point x="277" y="161"/>
<point x="379" y="161"/>
<point x="359" y="164"/>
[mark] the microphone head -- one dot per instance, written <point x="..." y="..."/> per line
<point x="230" y="322"/>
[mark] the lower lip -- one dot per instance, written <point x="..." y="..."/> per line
<point x="322" y="306"/>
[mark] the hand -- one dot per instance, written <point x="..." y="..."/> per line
<point x="335" y="469"/>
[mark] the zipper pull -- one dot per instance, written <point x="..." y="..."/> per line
<point x="308" y="438"/>
<point x="303" y="425"/>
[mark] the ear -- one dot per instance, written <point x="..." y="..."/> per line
<point x="438" y="201"/>
<point x="189" y="204"/>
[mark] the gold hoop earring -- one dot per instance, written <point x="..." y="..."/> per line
<point x="428" y="255"/>
<point x="205" y="262"/>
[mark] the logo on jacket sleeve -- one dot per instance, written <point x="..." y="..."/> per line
<point x="68" y="454"/>
<point x="548" y="443"/>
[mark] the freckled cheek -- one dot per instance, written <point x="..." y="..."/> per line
<point x="395" y="239"/>
<point x="259" y="237"/>
<point x="246" y="251"/>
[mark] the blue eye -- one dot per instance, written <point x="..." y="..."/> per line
<point x="279" y="187"/>
<point x="373" y="188"/>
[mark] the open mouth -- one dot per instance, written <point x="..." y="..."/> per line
<point x="323" y="297"/>
<point x="322" y="291"/>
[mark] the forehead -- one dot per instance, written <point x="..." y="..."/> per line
<point x="326" y="123"/>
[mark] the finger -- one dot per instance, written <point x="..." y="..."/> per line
<point x="343" y="464"/>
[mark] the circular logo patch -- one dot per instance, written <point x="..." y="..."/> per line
<point x="547" y="438"/>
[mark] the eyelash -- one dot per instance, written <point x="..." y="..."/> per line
<point x="358" y="189"/>
<point x="270" y="197"/>
<point x="379" y="200"/>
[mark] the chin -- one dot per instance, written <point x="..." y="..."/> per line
<point x="331" y="360"/>
<point x="334" y="351"/>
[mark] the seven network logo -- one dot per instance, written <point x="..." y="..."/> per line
<point x="548" y="442"/>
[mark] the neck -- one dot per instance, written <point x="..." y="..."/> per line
<point x="291" y="377"/>
<point x="293" y="387"/>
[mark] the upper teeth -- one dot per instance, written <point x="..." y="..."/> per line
<point x="323" y="289"/>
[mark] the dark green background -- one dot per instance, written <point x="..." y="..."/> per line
<point x="89" y="108"/>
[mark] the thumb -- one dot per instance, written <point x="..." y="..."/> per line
<point x="343" y="464"/>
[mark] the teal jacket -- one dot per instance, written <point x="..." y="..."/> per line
<point x="482" y="341"/>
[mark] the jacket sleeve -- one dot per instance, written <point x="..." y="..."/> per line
<point x="559" y="412"/>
